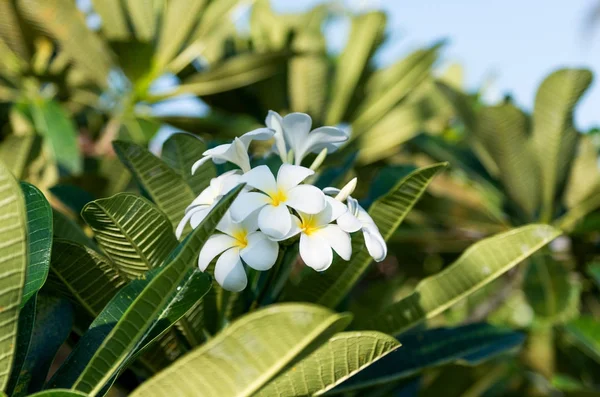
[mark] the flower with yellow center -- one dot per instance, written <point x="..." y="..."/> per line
<point x="274" y="198"/>
<point x="238" y="243"/>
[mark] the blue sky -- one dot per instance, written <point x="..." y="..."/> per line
<point x="512" y="43"/>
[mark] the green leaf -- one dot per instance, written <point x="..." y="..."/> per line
<point x="166" y="187"/>
<point x="251" y="351"/>
<point x="67" y="229"/>
<point x="584" y="179"/>
<point x="39" y="226"/>
<point x="64" y="22"/>
<point x="330" y="287"/>
<point x="339" y="359"/>
<point x="53" y="321"/>
<point x="132" y="232"/>
<point x="11" y="33"/>
<point x="180" y="18"/>
<point x="554" y="135"/>
<point x="469" y="344"/>
<point x="503" y="132"/>
<point x="82" y="275"/>
<point x="593" y="270"/>
<point x="585" y="333"/>
<point x="477" y="266"/>
<point x="51" y="121"/>
<point x="114" y="20"/>
<point x="133" y="326"/>
<point x="59" y="393"/>
<point x="390" y="86"/>
<point x="13" y="262"/>
<point x="25" y="331"/>
<point x="365" y="36"/>
<point x="16" y="153"/>
<point x="144" y="17"/>
<point x="547" y="287"/>
<point x="180" y="152"/>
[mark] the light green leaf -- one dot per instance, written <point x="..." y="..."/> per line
<point x="133" y="326"/>
<point x="180" y="17"/>
<point x="469" y="344"/>
<point x="114" y="20"/>
<point x="503" y="132"/>
<point x="39" y="226"/>
<point x="59" y="393"/>
<point x="167" y="188"/>
<point x="554" y="135"/>
<point x="132" y="232"/>
<point x="584" y="178"/>
<point x="13" y="262"/>
<point x="15" y="151"/>
<point x="593" y="270"/>
<point x="251" y="351"/>
<point x="390" y="86"/>
<point x="547" y="287"/>
<point x="11" y="33"/>
<point x="478" y="265"/>
<point x="365" y="36"/>
<point x="337" y="360"/>
<point x="330" y="287"/>
<point x="52" y="122"/>
<point x="180" y="152"/>
<point x="65" y="22"/>
<point x="144" y="17"/>
<point x="82" y="275"/>
<point x="585" y="333"/>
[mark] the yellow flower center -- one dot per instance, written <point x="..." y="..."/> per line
<point x="241" y="238"/>
<point x="278" y="197"/>
<point x="309" y="225"/>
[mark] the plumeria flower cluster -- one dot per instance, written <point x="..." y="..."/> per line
<point x="280" y="207"/>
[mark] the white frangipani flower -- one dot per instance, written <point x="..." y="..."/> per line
<point x="206" y="200"/>
<point x="275" y="196"/>
<point x="235" y="152"/>
<point x="319" y="237"/>
<point x="238" y="243"/>
<point x="292" y="132"/>
<point x="357" y="218"/>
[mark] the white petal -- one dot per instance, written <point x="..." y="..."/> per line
<point x="228" y="181"/>
<point x="247" y="203"/>
<point x="296" y="223"/>
<point x="364" y="217"/>
<point x="199" y="215"/>
<point x="227" y="225"/>
<point x="275" y="222"/>
<point x="375" y="243"/>
<point x="296" y="127"/>
<point x="260" y="253"/>
<point x="330" y="191"/>
<point x="229" y="271"/>
<point x="238" y="155"/>
<point x="306" y="198"/>
<point x="347" y="190"/>
<point x="182" y="223"/>
<point x="290" y="176"/>
<point x="250" y="224"/>
<point x="325" y="137"/>
<point x="206" y="197"/>
<point x="259" y="134"/>
<point x="348" y="222"/>
<point x="199" y="163"/>
<point x="338" y="239"/>
<point x="215" y="244"/>
<point x="315" y="252"/>
<point x="260" y="178"/>
<point x="274" y="121"/>
<point x="333" y="210"/>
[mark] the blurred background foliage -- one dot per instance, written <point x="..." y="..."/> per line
<point x="72" y="81"/>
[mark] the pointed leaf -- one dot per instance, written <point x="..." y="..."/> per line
<point x="59" y="393"/>
<point x="585" y="333"/>
<point x="144" y="17"/>
<point x="251" y="350"/>
<point x="547" y="287"/>
<point x="132" y="232"/>
<point x="340" y="359"/>
<point x="67" y="229"/>
<point x="13" y="266"/>
<point x="16" y="152"/>
<point x="166" y="187"/>
<point x="39" y="226"/>
<point x="180" y="152"/>
<point x="554" y="135"/>
<point x="330" y="287"/>
<point x="114" y="20"/>
<point x="469" y="344"/>
<point x="134" y="325"/>
<point x="25" y="331"/>
<point x="478" y="265"/>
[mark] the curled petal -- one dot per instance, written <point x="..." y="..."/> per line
<point x="199" y="215"/>
<point x="296" y="127"/>
<point x="338" y="239"/>
<point x="247" y="203"/>
<point x="182" y="223"/>
<point x="315" y="252"/>
<point x="260" y="253"/>
<point x="329" y="138"/>
<point x="199" y="163"/>
<point x="348" y="222"/>
<point x="215" y="244"/>
<point x="306" y="198"/>
<point x="296" y="223"/>
<point x="259" y="134"/>
<point x="274" y="121"/>
<point x="275" y="222"/>
<point x="290" y="176"/>
<point x="260" y="178"/>
<point x="229" y="271"/>
<point x="375" y="243"/>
